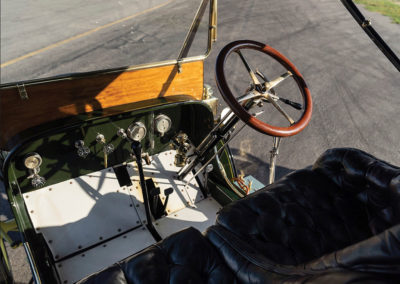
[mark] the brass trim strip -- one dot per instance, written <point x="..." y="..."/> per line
<point x="193" y="30"/>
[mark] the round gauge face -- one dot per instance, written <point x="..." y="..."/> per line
<point x="163" y="123"/>
<point x="33" y="161"/>
<point x="137" y="131"/>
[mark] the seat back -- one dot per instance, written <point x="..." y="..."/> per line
<point x="374" y="182"/>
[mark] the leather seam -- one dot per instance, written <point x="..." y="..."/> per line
<point x="251" y="260"/>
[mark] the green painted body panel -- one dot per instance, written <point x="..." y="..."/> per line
<point x="60" y="159"/>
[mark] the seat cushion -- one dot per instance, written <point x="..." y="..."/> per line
<point x="297" y="219"/>
<point x="376" y="259"/>
<point x="184" y="257"/>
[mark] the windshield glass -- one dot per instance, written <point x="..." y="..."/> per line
<point x="46" y="38"/>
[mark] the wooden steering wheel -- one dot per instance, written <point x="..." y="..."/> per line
<point x="264" y="90"/>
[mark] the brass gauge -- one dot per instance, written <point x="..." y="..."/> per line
<point x="136" y="131"/>
<point x="32" y="161"/>
<point x="163" y="124"/>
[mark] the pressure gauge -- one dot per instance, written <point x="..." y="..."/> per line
<point x="136" y="131"/>
<point x="163" y="124"/>
<point x="32" y="161"/>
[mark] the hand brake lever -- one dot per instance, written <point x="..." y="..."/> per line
<point x="137" y="151"/>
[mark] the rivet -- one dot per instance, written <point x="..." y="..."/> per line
<point x="109" y="170"/>
<point x="70" y="182"/>
<point x="117" y="190"/>
<point x="26" y="196"/>
<point x="130" y="205"/>
<point x="79" y="247"/>
<point x="100" y="238"/>
<point x="137" y="187"/>
<point x="168" y="210"/>
<point x="137" y="205"/>
<point x="83" y="255"/>
<point x="65" y="281"/>
<point x="50" y="188"/>
<point x="162" y="198"/>
<point x="50" y="241"/>
<point x="137" y="222"/>
<point x="143" y="228"/>
<point x="176" y="215"/>
<point x="31" y="211"/>
<point x="156" y="224"/>
<point x="56" y="257"/>
<point x="104" y="245"/>
<point x="124" y="237"/>
<point x="60" y="265"/>
<point x="144" y="221"/>
<point x="119" y="230"/>
<point x="201" y="196"/>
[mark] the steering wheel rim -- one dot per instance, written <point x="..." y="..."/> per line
<point x="240" y="111"/>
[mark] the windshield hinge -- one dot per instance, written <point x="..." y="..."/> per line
<point x="22" y="92"/>
<point x="179" y="64"/>
<point x="366" y="23"/>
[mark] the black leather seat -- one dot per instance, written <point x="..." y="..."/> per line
<point x="338" y="222"/>
<point x="184" y="257"/>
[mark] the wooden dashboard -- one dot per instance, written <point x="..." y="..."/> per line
<point x="69" y="96"/>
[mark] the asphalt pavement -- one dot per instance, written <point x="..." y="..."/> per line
<point x="355" y="90"/>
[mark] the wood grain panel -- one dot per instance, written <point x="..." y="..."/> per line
<point x="55" y="100"/>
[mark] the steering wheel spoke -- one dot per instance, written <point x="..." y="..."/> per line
<point x="248" y="68"/>
<point x="264" y="91"/>
<point x="281" y="110"/>
<point x="272" y="84"/>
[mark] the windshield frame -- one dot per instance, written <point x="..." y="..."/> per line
<point x="187" y="43"/>
<point x="366" y="25"/>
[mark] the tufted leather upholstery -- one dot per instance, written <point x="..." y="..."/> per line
<point x="376" y="184"/>
<point x="184" y="257"/>
<point x="341" y="214"/>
